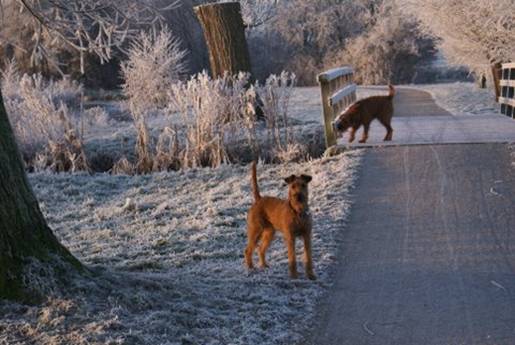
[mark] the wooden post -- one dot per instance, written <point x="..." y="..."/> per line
<point x="337" y="91"/>
<point x="327" y="109"/>
<point x="496" y="77"/>
<point x="224" y="32"/>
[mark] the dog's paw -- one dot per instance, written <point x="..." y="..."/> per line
<point x="311" y="275"/>
<point x="263" y="266"/>
<point x="294" y="275"/>
<point x="362" y="141"/>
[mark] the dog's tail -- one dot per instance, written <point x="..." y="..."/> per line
<point x="392" y="91"/>
<point x="255" y="188"/>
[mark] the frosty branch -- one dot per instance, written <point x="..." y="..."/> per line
<point x="95" y="26"/>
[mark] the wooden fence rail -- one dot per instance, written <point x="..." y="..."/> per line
<point x="338" y="92"/>
<point x="507" y="84"/>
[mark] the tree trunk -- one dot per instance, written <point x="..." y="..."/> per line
<point x="24" y="233"/>
<point x="224" y="32"/>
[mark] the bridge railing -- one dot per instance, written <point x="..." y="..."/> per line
<point x="507" y="83"/>
<point x="338" y="92"/>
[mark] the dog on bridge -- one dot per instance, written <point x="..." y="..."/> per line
<point x="291" y="217"/>
<point x="363" y="112"/>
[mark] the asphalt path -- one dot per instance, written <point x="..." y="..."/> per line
<point x="429" y="254"/>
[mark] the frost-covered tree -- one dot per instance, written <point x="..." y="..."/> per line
<point x="386" y="53"/>
<point x="476" y="33"/>
<point x="93" y="26"/>
<point x="307" y="36"/>
<point x="256" y="12"/>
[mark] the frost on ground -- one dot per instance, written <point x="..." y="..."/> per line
<point x="463" y="98"/>
<point x="166" y="255"/>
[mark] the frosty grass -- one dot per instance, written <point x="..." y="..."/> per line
<point x="166" y="252"/>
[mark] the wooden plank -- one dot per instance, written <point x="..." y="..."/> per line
<point x="334" y="73"/>
<point x="509" y="101"/>
<point x="341" y="94"/>
<point x="508" y="65"/>
<point x="327" y="114"/>
<point x="510" y="83"/>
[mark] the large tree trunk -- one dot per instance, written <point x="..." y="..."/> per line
<point x="224" y="32"/>
<point x="24" y="233"/>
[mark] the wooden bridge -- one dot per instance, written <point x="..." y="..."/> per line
<point x="417" y="120"/>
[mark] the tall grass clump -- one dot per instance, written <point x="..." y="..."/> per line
<point x="213" y="122"/>
<point x="43" y="124"/>
<point x="155" y="61"/>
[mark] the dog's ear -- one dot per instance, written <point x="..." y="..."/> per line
<point x="290" y="179"/>
<point x="306" y="178"/>
<point x="354" y="107"/>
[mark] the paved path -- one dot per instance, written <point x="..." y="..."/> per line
<point x="429" y="255"/>
<point x="418" y="121"/>
<point x="413" y="102"/>
<point x="429" y="252"/>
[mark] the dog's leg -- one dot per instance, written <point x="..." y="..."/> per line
<point x="352" y="135"/>
<point x="389" y="129"/>
<point x="252" y="237"/>
<point x="292" y="261"/>
<point x="366" y="128"/>
<point x="307" y="256"/>
<point x="389" y="134"/>
<point x="266" y="239"/>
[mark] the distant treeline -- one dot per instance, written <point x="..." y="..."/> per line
<point x="302" y="36"/>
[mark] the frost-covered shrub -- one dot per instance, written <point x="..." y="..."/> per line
<point x="211" y="111"/>
<point x="220" y="116"/>
<point x="475" y="33"/>
<point x="42" y="120"/>
<point x="96" y="117"/>
<point x="155" y="61"/>
<point x="275" y="96"/>
<point x="388" y="52"/>
<point x="218" y="124"/>
<point x="308" y="36"/>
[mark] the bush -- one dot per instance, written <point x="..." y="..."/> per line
<point x="307" y="37"/>
<point x="43" y="124"/>
<point x="218" y="125"/>
<point x="388" y="53"/>
<point x="155" y="62"/>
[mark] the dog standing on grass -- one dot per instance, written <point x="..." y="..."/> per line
<point x="363" y="112"/>
<point x="268" y="215"/>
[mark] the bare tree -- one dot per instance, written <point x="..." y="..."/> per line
<point x="256" y="12"/>
<point x="92" y="26"/>
<point x="476" y="33"/>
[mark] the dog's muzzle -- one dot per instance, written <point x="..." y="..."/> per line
<point x="335" y="126"/>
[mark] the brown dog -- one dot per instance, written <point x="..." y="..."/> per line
<point x="363" y="112"/>
<point x="291" y="217"/>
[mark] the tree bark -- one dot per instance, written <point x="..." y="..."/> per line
<point x="24" y="233"/>
<point x="224" y="32"/>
